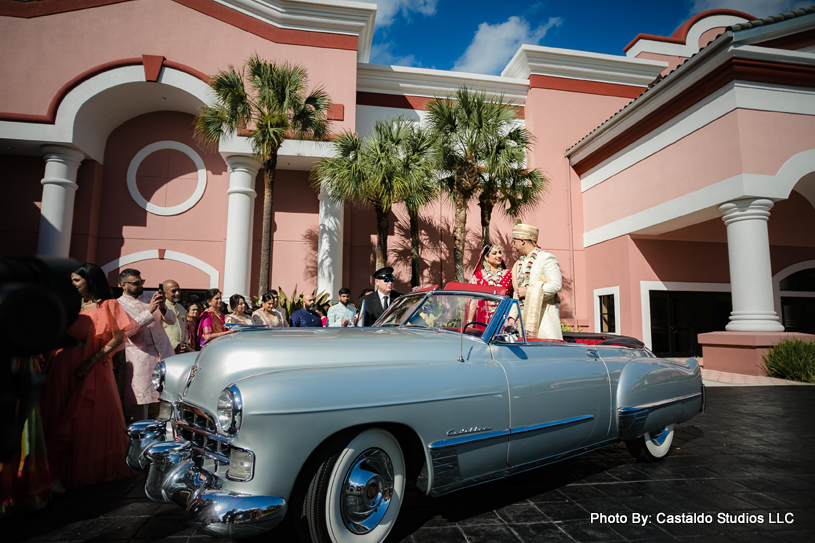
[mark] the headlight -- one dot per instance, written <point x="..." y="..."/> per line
<point x="229" y="411"/>
<point x="158" y="376"/>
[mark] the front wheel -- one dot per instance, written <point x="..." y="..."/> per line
<point x="652" y="446"/>
<point x="355" y="492"/>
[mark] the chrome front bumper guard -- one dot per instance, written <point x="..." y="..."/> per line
<point x="174" y="477"/>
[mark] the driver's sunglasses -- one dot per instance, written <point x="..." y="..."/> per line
<point x="135" y="283"/>
<point x="389" y="279"/>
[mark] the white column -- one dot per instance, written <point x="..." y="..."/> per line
<point x="329" y="246"/>
<point x="748" y="249"/>
<point x="239" y="220"/>
<point x="58" y="191"/>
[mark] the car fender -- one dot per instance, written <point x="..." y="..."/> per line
<point x="177" y="371"/>
<point x="655" y="392"/>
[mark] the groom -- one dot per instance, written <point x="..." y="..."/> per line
<point x="536" y="281"/>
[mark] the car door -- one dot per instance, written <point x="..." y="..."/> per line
<point x="560" y="398"/>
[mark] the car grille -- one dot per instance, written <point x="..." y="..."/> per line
<point x="198" y="427"/>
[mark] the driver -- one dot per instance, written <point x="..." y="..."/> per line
<point x="380" y="299"/>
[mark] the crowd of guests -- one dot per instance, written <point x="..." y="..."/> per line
<point x="103" y="380"/>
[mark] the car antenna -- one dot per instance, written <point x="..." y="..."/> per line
<point x="461" y="341"/>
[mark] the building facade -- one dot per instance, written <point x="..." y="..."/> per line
<point x="682" y="174"/>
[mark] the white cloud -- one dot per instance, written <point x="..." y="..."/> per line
<point x="756" y="8"/>
<point x="388" y="10"/>
<point x="381" y="54"/>
<point x="494" y="45"/>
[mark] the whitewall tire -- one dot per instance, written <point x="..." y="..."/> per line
<point x="652" y="446"/>
<point x="355" y="494"/>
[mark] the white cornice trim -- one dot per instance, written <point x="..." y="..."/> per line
<point x="677" y="82"/>
<point x="691" y="45"/>
<point x="597" y="67"/>
<point x="402" y="80"/>
<point x="687" y="75"/>
<point x="335" y="17"/>
<point x="703" y="204"/>
<point x="736" y="95"/>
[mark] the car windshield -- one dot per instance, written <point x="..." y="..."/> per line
<point x="443" y="311"/>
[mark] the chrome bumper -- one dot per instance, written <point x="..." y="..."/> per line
<point x="174" y="477"/>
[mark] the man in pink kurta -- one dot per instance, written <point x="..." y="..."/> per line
<point x="145" y="348"/>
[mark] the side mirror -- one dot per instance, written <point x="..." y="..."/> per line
<point x="510" y="334"/>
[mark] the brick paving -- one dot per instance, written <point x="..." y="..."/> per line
<point x="749" y="455"/>
<point x="722" y="378"/>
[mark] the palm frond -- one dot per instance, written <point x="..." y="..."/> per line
<point x="309" y="119"/>
<point x="232" y="95"/>
<point x="211" y="125"/>
<point x="341" y="176"/>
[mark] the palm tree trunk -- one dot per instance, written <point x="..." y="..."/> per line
<point x="269" y="166"/>
<point x="459" y="233"/>
<point x="382" y="224"/>
<point x="414" y="250"/>
<point x="486" y="204"/>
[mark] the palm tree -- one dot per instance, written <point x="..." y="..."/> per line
<point x="479" y="143"/>
<point x="384" y="168"/>
<point x="267" y="102"/>
<point x="418" y="156"/>
<point x="518" y="189"/>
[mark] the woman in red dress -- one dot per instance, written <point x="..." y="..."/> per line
<point x="490" y="270"/>
<point x="81" y="412"/>
<point x="211" y="321"/>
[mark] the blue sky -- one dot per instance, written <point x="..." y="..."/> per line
<point x="481" y="36"/>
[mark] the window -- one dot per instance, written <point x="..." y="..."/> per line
<point x="798" y="301"/>
<point x="803" y="281"/>
<point x="606" y="311"/>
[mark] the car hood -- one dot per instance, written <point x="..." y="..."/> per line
<point x="248" y="354"/>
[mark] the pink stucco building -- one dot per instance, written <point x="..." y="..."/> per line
<point x="682" y="196"/>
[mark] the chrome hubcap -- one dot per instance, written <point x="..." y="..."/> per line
<point x="367" y="491"/>
<point x="658" y="438"/>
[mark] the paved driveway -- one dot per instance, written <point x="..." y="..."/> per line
<point x="748" y="464"/>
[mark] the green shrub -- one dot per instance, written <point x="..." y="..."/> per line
<point x="792" y="359"/>
<point x="569" y="328"/>
<point x="295" y="301"/>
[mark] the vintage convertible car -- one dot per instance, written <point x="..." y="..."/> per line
<point x="327" y="425"/>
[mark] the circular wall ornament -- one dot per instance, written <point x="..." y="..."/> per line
<point x="160" y="210"/>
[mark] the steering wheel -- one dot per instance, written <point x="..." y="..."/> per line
<point x="474" y="332"/>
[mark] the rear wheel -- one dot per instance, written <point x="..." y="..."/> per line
<point x="652" y="446"/>
<point x="354" y="492"/>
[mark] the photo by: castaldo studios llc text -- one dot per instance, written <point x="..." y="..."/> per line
<point x="693" y="518"/>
